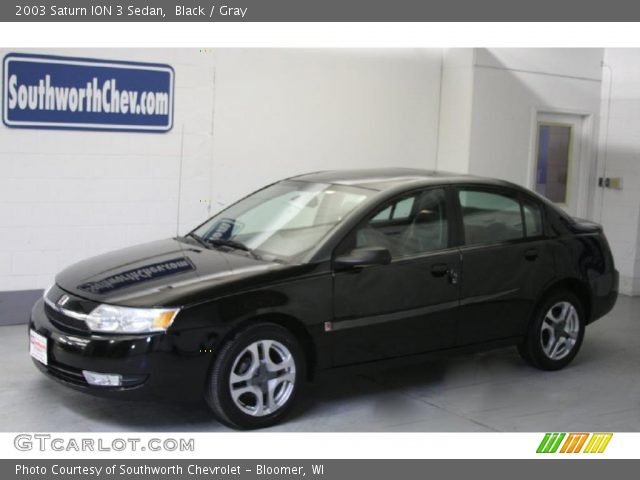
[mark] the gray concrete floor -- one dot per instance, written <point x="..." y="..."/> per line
<point x="492" y="391"/>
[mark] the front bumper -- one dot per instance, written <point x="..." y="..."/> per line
<point x="151" y="365"/>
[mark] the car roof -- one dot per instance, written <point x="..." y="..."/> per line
<point x="390" y="178"/>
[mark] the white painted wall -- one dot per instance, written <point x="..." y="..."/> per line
<point x="491" y="98"/>
<point x="242" y="118"/>
<point x="285" y="112"/>
<point x="510" y="87"/>
<point x="619" y="210"/>
<point x="456" y="110"/>
<point x="583" y="63"/>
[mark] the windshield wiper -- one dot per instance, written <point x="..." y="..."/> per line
<point x="220" y="242"/>
<point x="235" y="244"/>
<point x="197" y="239"/>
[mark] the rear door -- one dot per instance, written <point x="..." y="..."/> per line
<point x="506" y="262"/>
<point x="408" y="306"/>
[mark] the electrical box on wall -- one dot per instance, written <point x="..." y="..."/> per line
<point x="614" y="183"/>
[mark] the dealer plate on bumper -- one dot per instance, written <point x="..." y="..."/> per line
<point x="38" y="346"/>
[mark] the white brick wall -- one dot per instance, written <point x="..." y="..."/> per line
<point x="68" y="195"/>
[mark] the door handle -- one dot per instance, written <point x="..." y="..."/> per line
<point x="439" y="269"/>
<point x="531" y="253"/>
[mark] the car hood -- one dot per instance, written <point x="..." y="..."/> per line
<point x="162" y="273"/>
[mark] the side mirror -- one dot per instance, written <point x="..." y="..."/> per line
<point x="363" y="257"/>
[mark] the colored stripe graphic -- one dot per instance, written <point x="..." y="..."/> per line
<point x="574" y="443"/>
<point x="597" y="442"/>
<point x="550" y="442"/>
<point x="581" y="442"/>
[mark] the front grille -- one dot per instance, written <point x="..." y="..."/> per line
<point x="64" y="323"/>
<point x="57" y="302"/>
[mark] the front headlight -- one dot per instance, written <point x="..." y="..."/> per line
<point x="113" y="319"/>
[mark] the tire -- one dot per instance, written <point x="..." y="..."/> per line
<point x="268" y="367"/>
<point x="559" y="318"/>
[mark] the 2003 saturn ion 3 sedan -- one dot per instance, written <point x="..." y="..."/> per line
<point x="320" y="271"/>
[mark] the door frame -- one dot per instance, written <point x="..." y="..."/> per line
<point x="584" y="160"/>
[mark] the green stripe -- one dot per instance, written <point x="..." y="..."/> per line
<point x="542" y="444"/>
<point x="550" y="443"/>
<point x="558" y="442"/>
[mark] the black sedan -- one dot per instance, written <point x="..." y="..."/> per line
<point x="321" y="271"/>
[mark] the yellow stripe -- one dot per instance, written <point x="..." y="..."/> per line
<point x="597" y="444"/>
<point x="587" y="449"/>
<point x="607" y="439"/>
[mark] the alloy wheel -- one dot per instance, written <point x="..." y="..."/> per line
<point x="262" y="378"/>
<point x="559" y="331"/>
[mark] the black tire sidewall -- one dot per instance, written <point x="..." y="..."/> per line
<point x="218" y="394"/>
<point x="533" y="347"/>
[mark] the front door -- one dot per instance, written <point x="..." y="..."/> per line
<point x="408" y="306"/>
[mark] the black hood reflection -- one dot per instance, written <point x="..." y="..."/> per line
<point x="162" y="273"/>
<point x="145" y="273"/>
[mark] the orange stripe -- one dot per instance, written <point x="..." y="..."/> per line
<point x="583" y="439"/>
<point x="566" y="443"/>
<point x="576" y="439"/>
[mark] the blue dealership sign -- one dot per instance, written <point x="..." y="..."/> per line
<point x="42" y="91"/>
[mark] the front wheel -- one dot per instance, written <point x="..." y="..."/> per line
<point x="255" y="377"/>
<point x="556" y="332"/>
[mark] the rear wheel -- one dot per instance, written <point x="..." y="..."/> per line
<point x="256" y="376"/>
<point x="556" y="332"/>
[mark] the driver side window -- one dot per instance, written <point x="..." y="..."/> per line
<point x="405" y="226"/>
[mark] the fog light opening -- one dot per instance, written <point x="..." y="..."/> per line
<point x="102" y="379"/>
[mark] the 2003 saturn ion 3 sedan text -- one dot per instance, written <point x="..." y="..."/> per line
<point x="320" y="271"/>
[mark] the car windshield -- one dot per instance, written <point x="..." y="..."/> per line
<point x="282" y="221"/>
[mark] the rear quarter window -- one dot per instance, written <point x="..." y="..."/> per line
<point x="532" y="213"/>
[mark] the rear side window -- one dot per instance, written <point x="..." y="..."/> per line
<point x="490" y="217"/>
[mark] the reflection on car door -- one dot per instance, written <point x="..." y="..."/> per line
<point x="409" y="305"/>
<point x="506" y="263"/>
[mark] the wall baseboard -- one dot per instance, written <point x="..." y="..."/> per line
<point x="15" y="306"/>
